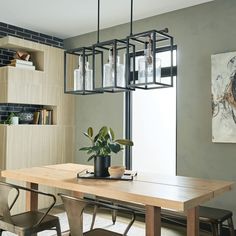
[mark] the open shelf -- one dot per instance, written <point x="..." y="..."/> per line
<point x="35" y="49"/>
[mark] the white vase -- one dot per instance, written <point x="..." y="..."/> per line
<point x="15" y="120"/>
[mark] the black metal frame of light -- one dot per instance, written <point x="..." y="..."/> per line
<point x="157" y="39"/>
<point x="85" y="53"/>
<point x="115" y="45"/>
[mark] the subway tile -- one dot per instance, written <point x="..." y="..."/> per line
<point x="16" y="28"/>
<point x="31" y="32"/>
<point x="5" y="62"/>
<point x="34" y="40"/>
<point x="52" y="42"/>
<point x="38" y="38"/>
<point x="25" y="35"/>
<point x="3" y="24"/>
<point x="17" y="109"/>
<point x="3" y="118"/>
<point x="58" y="40"/>
<point x="3" y="108"/>
<point x="4" y="57"/>
<point x="11" y="54"/>
<point x="6" y="30"/>
<point x="3" y="34"/>
<point x="45" y="36"/>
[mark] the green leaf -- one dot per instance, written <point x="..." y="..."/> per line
<point x="96" y="138"/>
<point x="91" y="157"/>
<point x="90" y="132"/>
<point x="103" y="131"/>
<point x="111" y="133"/>
<point x="124" y="142"/>
<point x="85" y="148"/>
<point x="88" y="136"/>
<point x="115" y="147"/>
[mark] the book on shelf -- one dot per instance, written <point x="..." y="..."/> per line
<point x="28" y="67"/>
<point x="43" y="117"/>
<point x="36" y="118"/>
<point x="22" y="62"/>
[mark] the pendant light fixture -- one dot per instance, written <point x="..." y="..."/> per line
<point x="148" y="74"/>
<point x="118" y="65"/>
<point x="111" y="68"/>
<point x="79" y="77"/>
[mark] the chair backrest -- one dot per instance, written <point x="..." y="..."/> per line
<point x="5" y="189"/>
<point x="74" y="208"/>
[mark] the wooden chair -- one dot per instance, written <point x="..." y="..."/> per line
<point x="75" y="207"/>
<point x="26" y="223"/>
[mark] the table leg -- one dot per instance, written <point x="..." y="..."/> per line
<point x="77" y="194"/>
<point x="193" y="222"/>
<point x="153" y="221"/>
<point x="31" y="198"/>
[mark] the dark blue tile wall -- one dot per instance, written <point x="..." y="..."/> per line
<point x="7" y="55"/>
<point x="7" y="108"/>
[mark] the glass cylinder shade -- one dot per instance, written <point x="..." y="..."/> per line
<point x="146" y="67"/>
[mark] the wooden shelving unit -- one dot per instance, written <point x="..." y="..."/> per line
<point x="35" y="145"/>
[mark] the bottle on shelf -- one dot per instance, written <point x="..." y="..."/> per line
<point x="88" y="77"/>
<point x="79" y="77"/>
<point x="109" y="72"/>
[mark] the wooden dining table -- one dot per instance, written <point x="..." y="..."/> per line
<point x="153" y="191"/>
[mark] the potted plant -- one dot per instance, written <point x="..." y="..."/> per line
<point x="12" y="119"/>
<point x="103" y="145"/>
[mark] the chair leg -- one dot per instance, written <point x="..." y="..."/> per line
<point x="94" y="217"/>
<point x="214" y="228"/>
<point x="114" y="215"/>
<point x="231" y="226"/>
<point x="58" y="229"/>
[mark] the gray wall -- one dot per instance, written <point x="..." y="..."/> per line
<point x="199" y="32"/>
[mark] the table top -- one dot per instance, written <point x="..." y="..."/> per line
<point x="173" y="192"/>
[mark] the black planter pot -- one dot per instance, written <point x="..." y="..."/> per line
<point x="101" y="165"/>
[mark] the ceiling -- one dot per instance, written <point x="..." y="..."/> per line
<point x="67" y="18"/>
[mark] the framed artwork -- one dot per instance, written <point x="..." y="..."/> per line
<point x="223" y="85"/>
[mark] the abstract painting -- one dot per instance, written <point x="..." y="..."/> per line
<point x="223" y="86"/>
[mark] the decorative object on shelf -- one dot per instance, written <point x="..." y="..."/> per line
<point x="103" y="144"/>
<point x="26" y="117"/>
<point x="22" y="55"/>
<point x="15" y="120"/>
<point x="116" y="171"/>
<point x="114" y="63"/>
<point x="223" y="86"/>
<point x="21" y="60"/>
<point x="12" y="119"/>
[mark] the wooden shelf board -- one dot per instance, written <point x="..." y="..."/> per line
<point x="14" y="43"/>
<point x="18" y="68"/>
